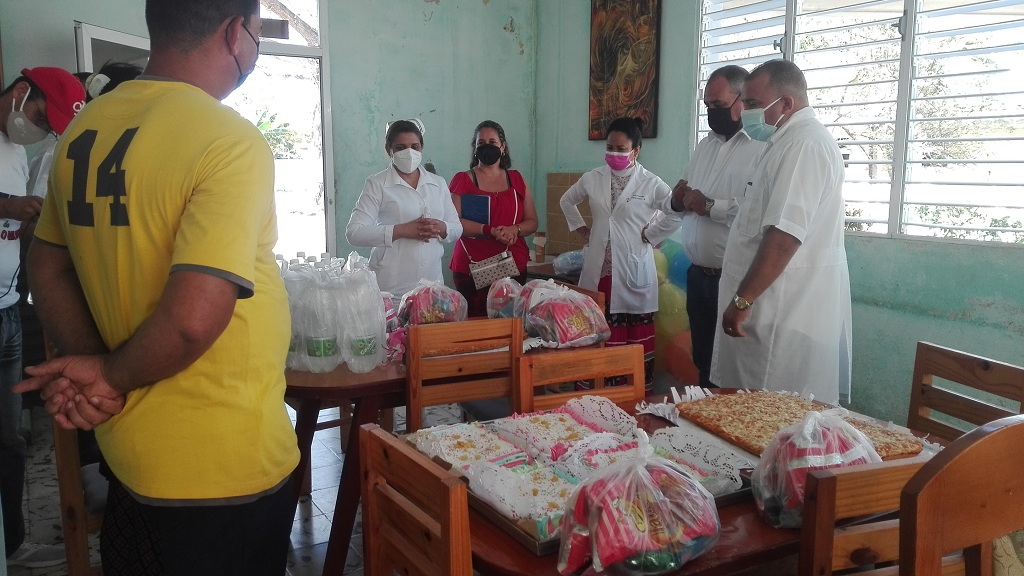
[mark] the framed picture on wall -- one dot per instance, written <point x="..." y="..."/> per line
<point x="624" y="47"/>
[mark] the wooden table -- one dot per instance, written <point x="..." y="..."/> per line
<point x="745" y="541"/>
<point x="383" y="387"/>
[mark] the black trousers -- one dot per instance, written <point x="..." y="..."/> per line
<point x="702" y="308"/>
<point x="231" y="540"/>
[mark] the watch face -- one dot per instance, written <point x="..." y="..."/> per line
<point x="741" y="302"/>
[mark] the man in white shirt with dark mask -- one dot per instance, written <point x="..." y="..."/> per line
<point x="785" y="291"/>
<point x="709" y="193"/>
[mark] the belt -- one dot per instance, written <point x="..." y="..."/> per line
<point x="709" y="271"/>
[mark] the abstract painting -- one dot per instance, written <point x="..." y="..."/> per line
<point x="624" y="38"/>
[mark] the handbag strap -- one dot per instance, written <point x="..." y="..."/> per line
<point x="515" y="196"/>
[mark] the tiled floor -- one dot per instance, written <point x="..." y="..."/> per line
<point x="310" y="530"/>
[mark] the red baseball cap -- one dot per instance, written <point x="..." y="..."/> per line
<point x="64" y="94"/>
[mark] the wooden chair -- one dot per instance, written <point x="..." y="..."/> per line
<point x="80" y="516"/>
<point x="840" y="496"/>
<point x="415" y="513"/>
<point x="546" y="368"/>
<point x="926" y="397"/>
<point x="461" y="362"/>
<point x="968" y="494"/>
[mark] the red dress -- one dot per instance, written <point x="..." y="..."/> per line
<point x="507" y="209"/>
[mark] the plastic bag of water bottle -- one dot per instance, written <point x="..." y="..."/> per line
<point x="568" y="263"/>
<point x="362" y="318"/>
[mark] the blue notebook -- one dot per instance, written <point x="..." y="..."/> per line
<point x="476" y="207"/>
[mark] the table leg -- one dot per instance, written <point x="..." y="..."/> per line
<point x="364" y="411"/>
<point x="305" y="427"/>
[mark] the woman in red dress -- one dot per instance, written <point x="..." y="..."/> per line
<point x="510" y="219"/>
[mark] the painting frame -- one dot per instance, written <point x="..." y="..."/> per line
<point x="625" y="55"/>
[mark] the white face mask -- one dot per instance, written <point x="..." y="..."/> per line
<point x="407" y="161"/>
<point x="20" y="129"/>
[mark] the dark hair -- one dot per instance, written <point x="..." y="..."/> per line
<point x="505" y="161"/>
<point x="782" y="75"/>
<point x="117" y="72"/>
<point x="631" y="127"/>
<point x="401" y="127"/>
<point x="733" y="74"/>
<point x="185" y="24"/>
<point x="34" y="94"/>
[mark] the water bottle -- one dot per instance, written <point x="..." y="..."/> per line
<point x="365" y="333"/>
<point x="320" y="330"/>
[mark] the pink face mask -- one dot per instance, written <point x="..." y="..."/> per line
<point x="617" y="160"/>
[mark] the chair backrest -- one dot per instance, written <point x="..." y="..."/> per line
<point x="461" y="362"/>
<point x="926" y="397"/>
<point x="839" y="495"/>
<point x="76" y="521"/>
<point x="415" y="513"/>
<point x="538" y="370"/>
<point x="969" y="493"/>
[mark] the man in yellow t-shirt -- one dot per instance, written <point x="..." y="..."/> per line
<point x="153" y="273"/>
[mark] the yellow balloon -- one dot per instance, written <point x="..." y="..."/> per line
<point x="671" y="317"/>
<point x="671" y="298"/>
<point x="661" y="264"/>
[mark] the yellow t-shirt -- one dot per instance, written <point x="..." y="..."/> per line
<point x="155" y="177"/>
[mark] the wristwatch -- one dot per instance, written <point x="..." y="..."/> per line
<point x="741" y="303"/>
<point x="707" y="206"/>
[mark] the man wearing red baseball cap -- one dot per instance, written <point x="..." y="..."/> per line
<point x="40" y="102"/>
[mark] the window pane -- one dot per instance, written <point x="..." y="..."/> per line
<point x="282" y="98"/>
<point x="849" y="51"/>
<point x="303" y="17"/>
<point x="741" y="32"/>
<point x="965" y="154"/>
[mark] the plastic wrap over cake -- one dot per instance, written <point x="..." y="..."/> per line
<point x="533" y="495"/>
<point x="463" y="444"/>
<point x="720" y="465"/>
<point x="549" y="435"/>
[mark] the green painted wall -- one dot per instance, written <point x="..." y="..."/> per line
<point x="964" y="296"/>
<point x="43" y="33"/>
<point x="450" y="63"/>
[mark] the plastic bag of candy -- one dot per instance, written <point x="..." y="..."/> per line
<point x="563" y="318"/>
<point x="643" y="516"/>
<point x="822" y="440"/>
<point x="501" y="298"/>
<point x="432" y="303"/>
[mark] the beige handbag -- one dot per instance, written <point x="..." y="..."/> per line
<point x="490" y="270"/>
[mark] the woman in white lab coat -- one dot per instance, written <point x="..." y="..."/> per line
<point x="625" y="202"/>
<point x="404" y="213"/>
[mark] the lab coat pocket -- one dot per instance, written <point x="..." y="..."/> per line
<point x="641" y="269"/>
<point x="751" y="212"/>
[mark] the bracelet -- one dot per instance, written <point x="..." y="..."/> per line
<point x="485" y="229"/>
<point x="519" y="231"/>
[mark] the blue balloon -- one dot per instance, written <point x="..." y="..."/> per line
<point x="677" y="268"/>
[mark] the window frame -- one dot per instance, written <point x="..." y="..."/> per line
<point x="896" y="224"/>
<point x="322" y="53"/>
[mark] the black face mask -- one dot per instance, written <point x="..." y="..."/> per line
<point x="488" y="154"/>
<point x="720" y="121"/>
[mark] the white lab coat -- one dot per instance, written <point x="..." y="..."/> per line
<point x="634" y="278"/>
<point x="799" y="334"/>
<point x="387" y="200"/>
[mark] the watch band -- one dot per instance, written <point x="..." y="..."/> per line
<point x="707" y="206"/>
